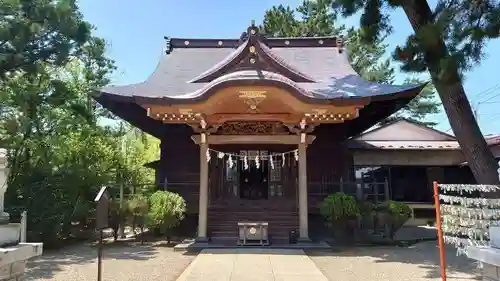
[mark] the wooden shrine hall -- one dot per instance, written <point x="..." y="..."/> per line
<point x="247" y="124"/>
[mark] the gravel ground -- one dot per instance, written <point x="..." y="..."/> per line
<point x="133" y="262"/>
<point x="419" y="262"/>
<point x="122" y="262"/>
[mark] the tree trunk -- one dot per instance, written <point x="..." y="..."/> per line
<point x="451" y="91"/>
<point x="142" y="234"/>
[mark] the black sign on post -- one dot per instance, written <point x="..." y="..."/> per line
<point x="102" y="215"/>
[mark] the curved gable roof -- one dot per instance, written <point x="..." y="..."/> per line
<point x="252" y="49"/>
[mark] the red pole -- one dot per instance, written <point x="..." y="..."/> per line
<point x="439" y="226"/>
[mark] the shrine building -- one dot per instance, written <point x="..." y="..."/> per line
<point x="249" y="126"/>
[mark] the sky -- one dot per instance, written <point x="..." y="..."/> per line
<point x="135" y="33"/>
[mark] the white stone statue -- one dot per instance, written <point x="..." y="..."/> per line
<point x="4" y="174"/>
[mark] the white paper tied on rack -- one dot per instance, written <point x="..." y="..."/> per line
<point x="469" y="212"/>
<point x="469" y="201"/>
<point x="467" y="219"/>
<point x="450" y="220"/>
<point x="462" y="244"/>
<point x="468" y="188"/>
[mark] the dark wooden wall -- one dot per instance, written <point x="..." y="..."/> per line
<point x="180" y="163"/>
<point x="328" y="159"/>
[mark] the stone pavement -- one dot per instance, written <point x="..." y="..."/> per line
<point x="252" y="264"/>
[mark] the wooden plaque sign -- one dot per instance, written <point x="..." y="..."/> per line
<point x="102" y="210"/>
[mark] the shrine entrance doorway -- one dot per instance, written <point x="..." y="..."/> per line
<point x="254" y="184"/>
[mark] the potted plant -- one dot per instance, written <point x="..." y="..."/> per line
<point x="341" y="213"/>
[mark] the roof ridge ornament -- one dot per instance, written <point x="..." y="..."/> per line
<point x="252" y="30"/>
<point x="254" y="54"/>
<point x="168" y="46"/>
<point x="340" y="44"/>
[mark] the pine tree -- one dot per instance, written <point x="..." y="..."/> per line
<point x="39" y="31"/>
<point x="447" y="41"/>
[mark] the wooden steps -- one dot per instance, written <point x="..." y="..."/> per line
<point x="281" y="215"/>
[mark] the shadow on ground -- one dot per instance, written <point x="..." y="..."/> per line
<point x="52" y="261"/>
<point x="425" y="255"/>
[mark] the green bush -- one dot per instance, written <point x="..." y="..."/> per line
<point x="399" y="213"/>
<point x="398" y="210"/>
<point x="138" y="207"/>
<point x="339" y="207"/>
<point x="167" y="209"/>
<point x="366" y="208"/>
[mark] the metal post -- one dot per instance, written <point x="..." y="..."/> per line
<point x="99" y="256"/>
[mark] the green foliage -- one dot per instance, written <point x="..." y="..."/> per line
<point x="167" y="209"/>
<point x="318" y="18"/>
<point x="366" y="208"/>
<point x="118" y="214"/>
<point x="339" y="207"/>
<point x="447" y="41"/>
<point x="60" y="152"/>
<point x="138" y="208"/>
<point x="138" y="205"/>
<point x="398" y="210"/>
<point x="399" y="213"/>
<point x="36" y="32"/>
<point x="417" y="109"/>
<point x="463" y="25"/>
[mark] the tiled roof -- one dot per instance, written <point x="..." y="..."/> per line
<point x="410" y="136"/>
<point x="328" y="69"/>
<point x="314" y="69"/>
<point x="492" y="139"/>
<point x="407" y="145"/>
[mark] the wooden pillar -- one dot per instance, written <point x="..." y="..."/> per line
<point x="203" y="200"/>
<point x="303" y="208"/>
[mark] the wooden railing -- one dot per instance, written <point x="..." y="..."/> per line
<point x="371" y="191"/>
<point x="376" y="191"/>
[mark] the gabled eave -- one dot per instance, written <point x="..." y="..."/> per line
<point x="253" y="53"/>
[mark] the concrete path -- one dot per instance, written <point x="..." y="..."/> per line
<point x="252" y="265"/>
